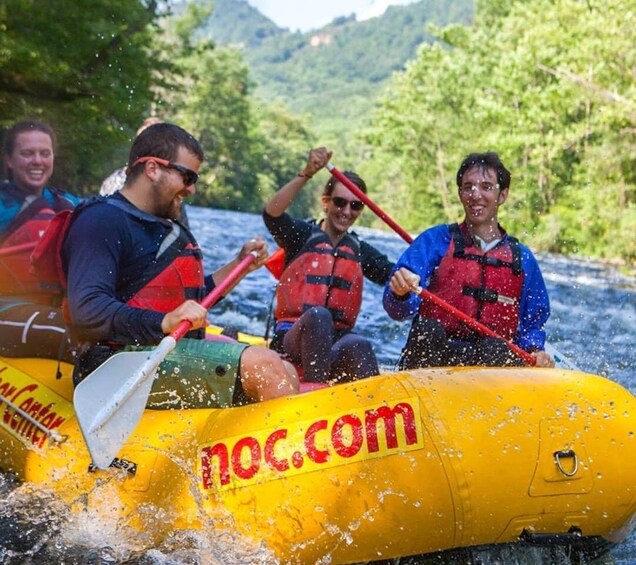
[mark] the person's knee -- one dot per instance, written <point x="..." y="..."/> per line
<point x="265" y="375"/>
<point x="425" y="345"/>
<point x="495" y="352"/>
<point x="317" y="318"/>
<point x="429" y="329"/>
<point x="357" y="346"/>
<point x="354" y="358"/>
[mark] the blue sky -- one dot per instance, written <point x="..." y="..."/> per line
<point x="304" y="15"/>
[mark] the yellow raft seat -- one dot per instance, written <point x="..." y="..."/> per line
<point x="400" y="464"/>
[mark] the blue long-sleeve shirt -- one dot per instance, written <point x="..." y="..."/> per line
<point x="107" y="250"/>
<point x="426" y="253"/>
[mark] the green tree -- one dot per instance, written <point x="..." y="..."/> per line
<point x="282" y="145"/>
<point x="86" y="68"/>
<point x="549" y="84"/>
<point x="246" y="143"/>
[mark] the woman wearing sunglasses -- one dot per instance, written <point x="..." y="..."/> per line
<point x="320" y="290"/>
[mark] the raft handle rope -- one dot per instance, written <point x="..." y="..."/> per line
<point x="558" y="455"/>
<point x="573" y="536"/>
<point x="51" y="434"/>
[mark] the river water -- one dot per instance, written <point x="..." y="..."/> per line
<point x="593" y="323"/>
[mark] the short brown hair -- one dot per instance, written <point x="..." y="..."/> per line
<point x="488" y="160"/>
<point x="353" y="177"/>
<point x="161" y="140"/>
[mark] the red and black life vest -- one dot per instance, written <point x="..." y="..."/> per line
<point x="323" y="275"/>
<point x="175" y="275"/>
<point x="484" y="285"/>
<point x="16" y="276"/>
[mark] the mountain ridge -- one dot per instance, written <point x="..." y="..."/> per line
<point x="332" y="75"/>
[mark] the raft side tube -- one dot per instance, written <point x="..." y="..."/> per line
<point x="554" y="448"/>
<point x="401" y="464"/>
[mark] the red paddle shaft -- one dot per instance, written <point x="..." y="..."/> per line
<point x="372" y="205"/>
<point x="475" y="325"/>
<point x="14" y="249"/>
<point x="216" y="293"/>
<point x="423" y="293"/>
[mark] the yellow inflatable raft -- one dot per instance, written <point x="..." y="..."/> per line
<point x="395" y="465"/>
<point x="213" y="331"/>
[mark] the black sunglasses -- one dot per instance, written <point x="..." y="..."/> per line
<point x="188" y="175"/>
<point x="339" y="202"/>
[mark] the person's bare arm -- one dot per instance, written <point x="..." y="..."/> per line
<point x="278" y="204"/>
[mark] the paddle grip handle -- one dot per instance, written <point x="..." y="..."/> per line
<point x="217" y="292"/>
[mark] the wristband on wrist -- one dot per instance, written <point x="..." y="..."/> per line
<point x="304" y="175"/>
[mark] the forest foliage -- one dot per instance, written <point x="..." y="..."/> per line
<point x="331" y="76"/>
<point x="548" y="84"/>
<point x="94" y="72"/>
<point x="83" y="68"/>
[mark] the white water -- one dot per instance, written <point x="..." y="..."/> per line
<point x="593" y="318"/>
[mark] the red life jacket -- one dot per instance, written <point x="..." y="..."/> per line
<point x="174" y="276"/>
<point x="485" y="286"/>
<point x="16" y="276"/>
<point x="322" y="275"/>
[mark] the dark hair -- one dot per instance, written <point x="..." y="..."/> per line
<point x="489" y="160"/>
<point x="353" y="177"/>
<point x="164" y="141"/>
<point x="10" y="136"/>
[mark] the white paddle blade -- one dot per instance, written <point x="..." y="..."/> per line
<point x="110" y="402"/>
<point x="560" y="360"/>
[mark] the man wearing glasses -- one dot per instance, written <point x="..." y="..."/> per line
<point x="320" y="290"/>
<point x="134" y="273"/>
<point x="477" y="268"/>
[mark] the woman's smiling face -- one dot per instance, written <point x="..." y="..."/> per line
<point x="31" y="161"/>
<point x="340" y="219"/>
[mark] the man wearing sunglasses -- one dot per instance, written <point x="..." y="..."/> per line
<point x="115" y="181"/>
<point x="135" y="272"/>
<point x="478" y="268"/>
<point x="320" y="290"/>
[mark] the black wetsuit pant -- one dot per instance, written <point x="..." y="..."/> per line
<point x="429" y="346"/>
<point x="33" y="330"/>
<point x="324" y="353"/>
